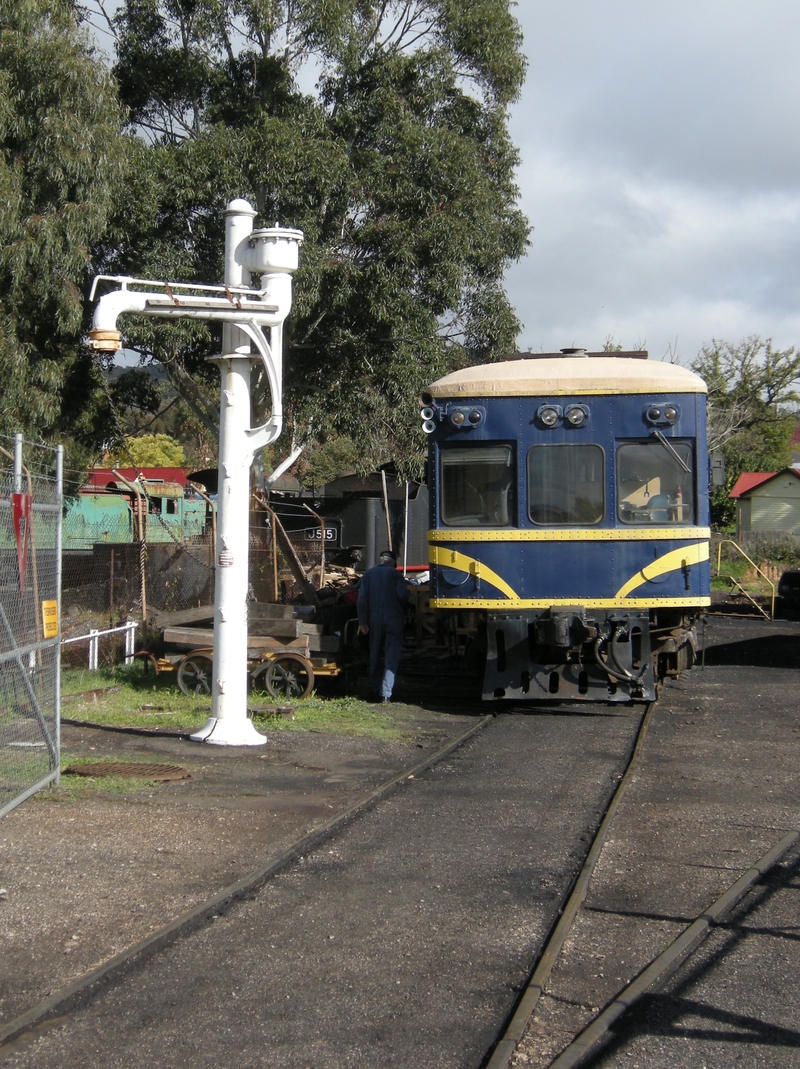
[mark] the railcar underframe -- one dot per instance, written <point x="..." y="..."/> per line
<point x="579" y="654"/>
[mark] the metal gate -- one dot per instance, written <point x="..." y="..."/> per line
<point x="30" y="610"/>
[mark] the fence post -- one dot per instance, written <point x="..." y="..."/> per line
<point x="59" y="577"/>
<point x="130" y="640"/>
<point x="17" y="463"/>
<point x="94" y="649"/>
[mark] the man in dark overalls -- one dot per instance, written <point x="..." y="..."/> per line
<point x="382" y="598"/>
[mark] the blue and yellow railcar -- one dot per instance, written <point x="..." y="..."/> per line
<point x="569" y="516"/>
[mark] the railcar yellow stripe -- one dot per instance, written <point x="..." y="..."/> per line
<point x="503" y="605"/>
<point x="569" y="534"/>
<point x="670" y="562"/>
<point x="450" y="558"/>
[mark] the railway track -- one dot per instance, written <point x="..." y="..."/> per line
<point x="668" y="999"/>
<point x="404" y="934"/>
<point x="684" y="955"/>
<point x="515" y="1029"/>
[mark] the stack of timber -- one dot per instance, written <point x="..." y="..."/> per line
<point x="337" y="578"/>
<point x="270" y="629"/>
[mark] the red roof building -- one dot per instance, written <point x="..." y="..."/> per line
<point x="768" y="502"/>
<point x="749" y="480"/>
<point x="102" y="478"/>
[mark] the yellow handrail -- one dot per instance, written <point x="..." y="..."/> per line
<point x="738" y="548"/>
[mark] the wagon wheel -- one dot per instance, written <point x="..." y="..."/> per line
<point x="194" y="674"/>
<point x="286" y="676"/>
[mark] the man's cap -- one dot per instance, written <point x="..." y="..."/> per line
<point x="387" y="555"/>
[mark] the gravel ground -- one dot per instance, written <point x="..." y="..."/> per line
<point x="717" y="787"/>
<point x="735" y="1002"/>
<point x="402" y="941"/>
<point x="87" y="875"/>
<point x="405" y="938"/>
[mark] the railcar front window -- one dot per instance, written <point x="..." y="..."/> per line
<point x="655" y="483"/>
<point x="478" y="486"/>
<point x="566" y="484"/>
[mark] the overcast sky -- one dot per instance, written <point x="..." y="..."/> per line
<point x="661" y="170"/>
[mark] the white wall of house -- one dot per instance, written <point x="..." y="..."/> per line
<point x="772" y="507"/>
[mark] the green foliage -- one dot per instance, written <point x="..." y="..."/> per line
<point x="752" y="410"/>
<point x="611" y="345"/>
<point x="397" y="166"/>
<point x="324" y="462"/>
<point x="60" y="171"/>
<point x="150" y="451"/>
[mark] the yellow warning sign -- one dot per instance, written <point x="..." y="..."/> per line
<point x="50" y="618"/>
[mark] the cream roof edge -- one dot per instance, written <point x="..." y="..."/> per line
<point x="567" y="376"/>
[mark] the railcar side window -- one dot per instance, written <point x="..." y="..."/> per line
<point x="566" y="484"/>
<point x="478" y="486"/>
<point x="655" y="482"/>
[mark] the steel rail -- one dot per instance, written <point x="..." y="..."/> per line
<point x="655" y="975"/>
<point x="515" y="1029"/>
<point x="79" y="990"/>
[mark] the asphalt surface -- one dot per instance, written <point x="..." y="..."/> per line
<point x="403" y="941"/>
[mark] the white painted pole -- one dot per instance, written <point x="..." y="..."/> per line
<point x="228" y="724"/>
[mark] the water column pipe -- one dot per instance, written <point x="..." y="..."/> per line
<point x="226" y="725"/>
<point x="244" y="310"/>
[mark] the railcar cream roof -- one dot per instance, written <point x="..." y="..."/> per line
<point x="568" y="376"/>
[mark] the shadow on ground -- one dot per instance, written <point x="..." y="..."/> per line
<point x="767" y="651"/>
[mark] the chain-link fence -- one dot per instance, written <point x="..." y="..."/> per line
<point x="30" y="575"/>
<point x="106" y="583"/>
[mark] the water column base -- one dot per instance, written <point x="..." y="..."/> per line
<point x="229" y="732"/>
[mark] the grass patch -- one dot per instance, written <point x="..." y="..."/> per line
<point x="335" y="716"/>
<point x="127" y="696"/>
<point x="743" y="572"/>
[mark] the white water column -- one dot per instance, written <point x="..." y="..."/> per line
<point x="229" y="724"/>
<point x="272" y="255"/>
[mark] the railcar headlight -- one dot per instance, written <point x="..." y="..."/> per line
<point x="549" y="415"/>
<point x="576" y="415"/>
<point x="467" y="418"/>
<point x="428" y="419"/>
<point x="666" y="413"/>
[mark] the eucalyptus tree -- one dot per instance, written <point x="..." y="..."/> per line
<point x="379" y="127"/>
<point x="60" y="168"/>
